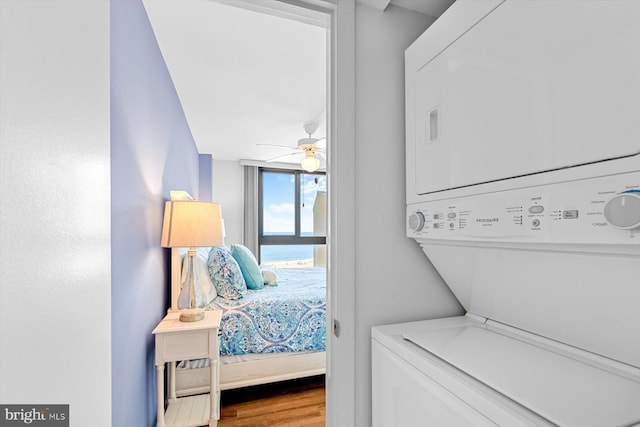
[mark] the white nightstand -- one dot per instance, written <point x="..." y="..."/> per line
<point x="175" y="341"/>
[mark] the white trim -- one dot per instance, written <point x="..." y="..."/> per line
<point x="341" y="203"/>
<point x="306" y="11"/>
<point x="341" y="208"/>
<point x="274" y="165"/>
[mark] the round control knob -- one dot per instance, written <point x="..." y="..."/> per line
<point x="416" y="221"/>
<point x="623" y="210"/>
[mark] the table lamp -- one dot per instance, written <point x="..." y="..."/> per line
<point x="191" y="224"/>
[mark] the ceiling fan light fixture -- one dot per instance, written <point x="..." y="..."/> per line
<point x="310" y="163"/>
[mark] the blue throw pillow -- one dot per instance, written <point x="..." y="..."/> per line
<point x="225" y="273"/>
<point x="249" y="266"/>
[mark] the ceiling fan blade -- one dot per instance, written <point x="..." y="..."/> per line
<point x="321" y="154"/>
<point x="321" y="142"/>
<point x="282" y="156"/>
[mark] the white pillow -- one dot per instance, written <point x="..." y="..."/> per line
<point x="205" y="290"/>
<point x="269" y="277"/>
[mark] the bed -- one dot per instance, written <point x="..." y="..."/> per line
<point x="271" y="334"/>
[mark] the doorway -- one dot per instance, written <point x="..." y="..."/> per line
<point x="338" y="18"/>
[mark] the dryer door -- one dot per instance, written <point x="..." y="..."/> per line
<point x="533" y="86"/>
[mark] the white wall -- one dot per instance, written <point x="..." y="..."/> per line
<point x="228" y="191"/>
<point x="395" y="282"/>
<point x="55" y="207"/>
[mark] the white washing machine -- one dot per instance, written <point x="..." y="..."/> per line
<point x="550" y="278"/>
<point x="523" y="190"/>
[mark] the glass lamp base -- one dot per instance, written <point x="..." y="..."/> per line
<point x="191" y="314"/>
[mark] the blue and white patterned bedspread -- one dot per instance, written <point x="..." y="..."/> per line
<point x="288" y="317"/>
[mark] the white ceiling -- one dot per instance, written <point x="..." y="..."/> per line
<point x="245" y="77"/>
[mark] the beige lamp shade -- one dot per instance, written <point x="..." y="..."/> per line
<point x="190" y="224"/>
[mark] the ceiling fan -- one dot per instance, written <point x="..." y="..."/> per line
<point x="312" y="148"/>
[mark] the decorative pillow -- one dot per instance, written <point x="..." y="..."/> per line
<point x="248" y="265"/>
<point x="225" y="273"/>
<point x="205" y="291"/>
<point x="269" y="277"/>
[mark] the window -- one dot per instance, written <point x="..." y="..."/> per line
<point x="292" y="217"/>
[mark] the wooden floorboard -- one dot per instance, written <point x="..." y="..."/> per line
<point x="287" y="404"/>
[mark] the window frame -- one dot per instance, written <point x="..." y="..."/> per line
<point x="296" y="238"/>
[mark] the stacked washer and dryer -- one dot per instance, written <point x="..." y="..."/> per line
<point x="523" y="190"/>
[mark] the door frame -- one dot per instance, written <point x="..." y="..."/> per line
<point x="338" y="16"/>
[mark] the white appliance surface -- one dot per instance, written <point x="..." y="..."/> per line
<point x="554" y="384"/>
<point x="412" y="399"/>
<point x="544" y="259"/>
<point x="544" y="84"/>
<point x="484" y="373"/>
<point x="523" y="190"/>
<point x="412" y="387"/>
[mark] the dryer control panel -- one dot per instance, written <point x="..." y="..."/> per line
<point x="597" y="210"/>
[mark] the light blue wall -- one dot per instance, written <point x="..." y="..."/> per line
<point x="206" y="177"/>
<point x="152" y="152"/>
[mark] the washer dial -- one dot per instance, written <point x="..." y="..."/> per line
<point x="416" y="221"/>
<point x="623" y="210"/>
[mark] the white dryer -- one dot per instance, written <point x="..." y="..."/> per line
<point x="523" y="190"/>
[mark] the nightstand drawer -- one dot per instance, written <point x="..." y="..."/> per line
<point x="185" y="345"/>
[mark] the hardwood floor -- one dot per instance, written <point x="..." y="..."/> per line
<point x="297" y="403"/>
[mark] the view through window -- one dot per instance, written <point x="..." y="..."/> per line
<point x="292" y="218"/>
